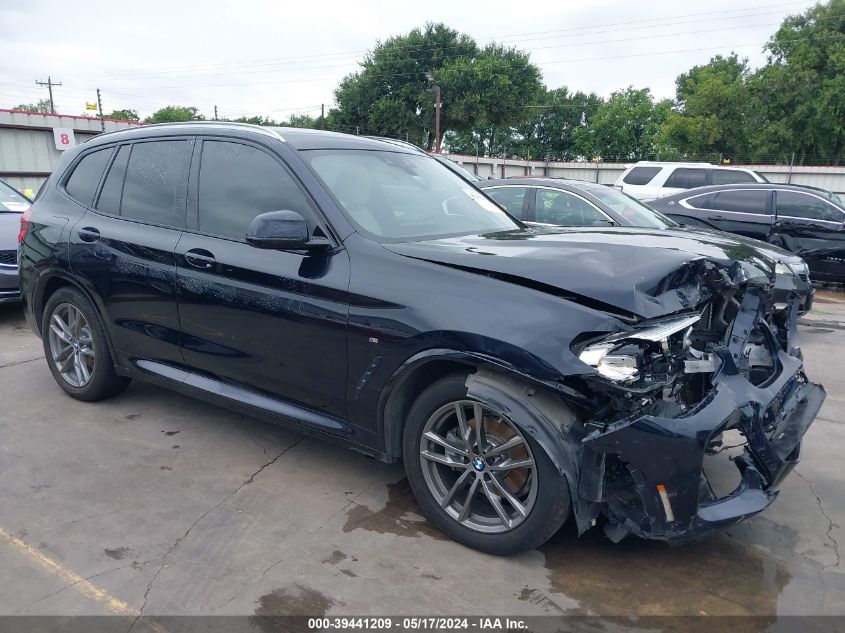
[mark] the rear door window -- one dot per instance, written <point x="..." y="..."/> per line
<point x="83" y="182"/>
<point x="730" y="176"/>
<point x="238" y="182"/>
<point x="795" y="204"/>
<point x="156" y="179"/>
<point x="511" y="198"/>
<point x="687" y="178"/>
<point x="564" y="209"/>
<point x="743" y="201"/>
<point x="641" y="175"/>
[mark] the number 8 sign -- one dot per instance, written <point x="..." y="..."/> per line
<point x="63" y="137"/>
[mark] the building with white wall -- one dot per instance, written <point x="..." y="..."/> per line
<point x="32" y="143"/>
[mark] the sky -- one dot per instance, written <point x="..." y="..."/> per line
<point x="260" y="57"/>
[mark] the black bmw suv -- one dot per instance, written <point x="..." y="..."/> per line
<point x="367" y="295"/>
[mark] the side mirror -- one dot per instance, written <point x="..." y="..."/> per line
<point x="283" y="230"/>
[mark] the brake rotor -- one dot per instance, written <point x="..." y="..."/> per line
<point x="497" y="433"/>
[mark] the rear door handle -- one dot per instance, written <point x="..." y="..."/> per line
<point x="200" y="258"/>
<point x="715" y="217"/>
<point x="88" y="234"/>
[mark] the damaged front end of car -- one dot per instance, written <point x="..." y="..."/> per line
<point x="665" y="392"/>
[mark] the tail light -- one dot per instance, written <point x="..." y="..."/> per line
<point x="24" y="225"/>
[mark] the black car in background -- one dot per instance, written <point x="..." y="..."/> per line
<point x="576" y="203"/>
<point x="365" y="294"/>
<point x="804" y="220"/>
<point x="12" y="206"/>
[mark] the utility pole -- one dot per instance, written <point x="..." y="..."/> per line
<point x="322" y="116"/>
<point x="436" y="118"/>
<point x="49" y="83"/>
<point x="435" y="87"/>
<point x="100" y="108"/>
<point x="215" y="112"/>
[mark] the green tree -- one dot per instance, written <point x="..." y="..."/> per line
<point x="391" y="95"/>
<point x="625" y="127"/>
<point x="302" y="120"/>
<point x="173" y="114"/>
<point x="256" y="120"/>
<point x="711" y="112"/>
<point x="547" y="134"/>
<point x="123" y="115"/>
<point x="42" y="106"/>
<point x="799" y="96"/>
<point x="551" y="134"/>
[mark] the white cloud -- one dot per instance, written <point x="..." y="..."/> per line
<point x="292" y="54"/>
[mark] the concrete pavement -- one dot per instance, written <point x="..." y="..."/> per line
<point x="156" y="503"/>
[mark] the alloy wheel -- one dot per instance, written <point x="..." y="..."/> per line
<point x="71" y="345"/>
<point x="478" y="466"/>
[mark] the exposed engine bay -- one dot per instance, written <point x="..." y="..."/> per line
<point x="665" y="393"/>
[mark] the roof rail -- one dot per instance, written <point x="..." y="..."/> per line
<point x="190" y="124"/>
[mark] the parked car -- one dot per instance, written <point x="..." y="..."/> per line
<point x="804" y="220"/>
<point x="577" y="203"/>
<point x="365" y="294"/>
<point x="647" y="180"/>
<point x="12" y="205"/>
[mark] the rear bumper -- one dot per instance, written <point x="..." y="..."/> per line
<point x="669" y="453"/>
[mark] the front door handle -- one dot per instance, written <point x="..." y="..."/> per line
<point x="715" y="217"/>
<point x="88" y="234"/>
<point x="200" y="258"/>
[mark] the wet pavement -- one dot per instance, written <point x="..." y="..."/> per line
<point x="156" y="503"/>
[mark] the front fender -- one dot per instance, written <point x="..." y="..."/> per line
<point x="544" y="416"/>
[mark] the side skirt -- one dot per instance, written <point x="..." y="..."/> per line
<point x="236" y="398"/>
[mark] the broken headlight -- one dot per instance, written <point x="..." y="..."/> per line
<point x="794" y="267"/>
<point x="618" y="357"/>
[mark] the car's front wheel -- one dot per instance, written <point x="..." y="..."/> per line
<point x="477" y="475"/>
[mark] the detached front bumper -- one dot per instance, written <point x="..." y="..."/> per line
<point x="672" y="499"/>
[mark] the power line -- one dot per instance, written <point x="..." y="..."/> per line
<point x="274" y="61"/>
<point x="540" y="63"/>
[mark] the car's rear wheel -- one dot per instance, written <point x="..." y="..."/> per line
<point x="477" y="475"/>
<point x="76" y="347"/>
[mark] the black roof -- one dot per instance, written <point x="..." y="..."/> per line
<point x="297" y="138"/>
<point x="686" y="193"/>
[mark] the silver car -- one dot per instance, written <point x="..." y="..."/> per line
<point x="12" y="207"/>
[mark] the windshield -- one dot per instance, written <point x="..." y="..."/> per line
<point x="397" y="196"/>
<point x="11" y="200"/>
<point x="631" y="209"/>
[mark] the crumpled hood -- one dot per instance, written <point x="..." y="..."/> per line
<point x="643" y="272"/>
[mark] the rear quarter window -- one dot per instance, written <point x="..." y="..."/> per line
<point x="730" y="177"/>
<point x="83" y="182"/>
<point x="641" y="175"/>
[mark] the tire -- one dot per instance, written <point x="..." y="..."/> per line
<point x="544" y="492"/>
<point x="78" y="353"/>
